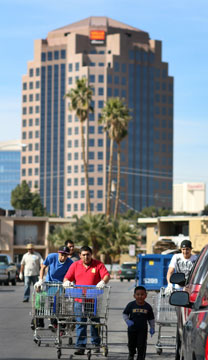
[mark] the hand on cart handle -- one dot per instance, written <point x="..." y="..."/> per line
<point x="169" y="289"/>
<point x="68" y="283"/>
<point x="152" y="331"/>
<point x="38" y="285"/>
<point x="129" y="323"/>
<point x="101" y="284"/>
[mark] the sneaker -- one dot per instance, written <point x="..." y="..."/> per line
<point x="79" y="352"/>
<point x="25" y="300"/>
<point x="52" y="327"/>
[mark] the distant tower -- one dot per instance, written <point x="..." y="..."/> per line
<point x="10" y="154"/>
<point x="119" y="61"/>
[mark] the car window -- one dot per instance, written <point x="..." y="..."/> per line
<point x="200" y="269"/>
<point x="3" y="260"/>
<point x="128" y="266"/>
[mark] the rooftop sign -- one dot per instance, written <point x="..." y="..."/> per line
<point x="97" y="37"/>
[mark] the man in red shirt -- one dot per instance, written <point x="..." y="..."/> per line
<point x="86" y="271"/>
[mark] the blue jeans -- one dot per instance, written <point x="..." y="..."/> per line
<point x="28" y="280"/>
<point x="81" y="330"/>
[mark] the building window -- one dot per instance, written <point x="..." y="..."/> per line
<point x="82" y="207"/>
<point x="68" y="207"/>
<point x="69" y="118"/>
<point x="109" y="79"/>
<point x="24" y="135"/>
<point x="37" y="134"/>
<point x="99" y="207"/>
<point x="109" y="92"/>
<point x="31" y="72"/>
<point x="29" y="172"/>
<point x="37" y="146"/>
<point x="50" y="57"/>
<point x="76" y="143"/>
<point x="91" y="155"/>
<point x="100" y="104"/>
<point x="92" y="78"/>
<point x="76" y="66"/>
<point x="69" y="182"/>
<point x="82" y="181"/>
<point x="76" y="156"/>
<point x="69" y="131"/>
<point x="76" y="169"/>
<point x="101" y="64"/>
<point x="91" y="194"/>
<point x="91" y="129"/>
<point x="23" y="172"/>
<point x="70" y="67"/>
<point x="30" y="85"/>
<point x="24" y="110"/>
<point x="30" y="134"/>
<point x="91" y="181"/>
<point x="116" y="92"/>
<point x="116" y="80"/>
<point x="37" y="97"/>
<point x="36" y="171"/>
<point x="24" y="98"/>
<point x="100" y="155"/>
<point x="100" y="194"/>
<point x="100" y="167"/>
<point x="116" y="66"/>
<point x="100" y="129"/>
<point x="24" y="123"/>
<point x="82" y="194"/>
<point x="100" y="181"/>
<point x="75" y="207"/>
<point x="75" y="194"/>
<point x="30" y="122"/>
<point x="56" y="55"/>
<point x="24" y="86"/>
<point x="30" y="147"/>
<point x="37" y="122"/>
<point x="100" y="91"/>
<point x="100" y="142"/>
<point x="69" y="156"/>
<point x="123" y="68"/>
<point x="63" y="54"/>
<point x="91" y="117"/>
<point x="91" y="168"/>
<point x="70" y="80"/>
<point x="91" y="206"/>
<point x="76" y="181"/>
<point x="43" y="56"/>
<point x="30" y="159"/>
<point x="69" y="169"/>
<point x="91" y="142"/>
<point x="69" y="143"/>
<point x="68" y="194"/>
<point x="23" y="159"/>
<point x="100" y="78"/>
<point x="37" y="84"/>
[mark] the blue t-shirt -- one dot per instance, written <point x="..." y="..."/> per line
<point x="56" y="269"/>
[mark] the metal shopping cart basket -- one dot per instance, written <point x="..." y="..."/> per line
<point x="83" y="305"/>
<point x="44" y="312"/>
<point x="165" y="316"/>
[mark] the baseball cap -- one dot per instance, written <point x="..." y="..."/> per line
<point x="64" y="250"/>
<point x="30" y="246"/>
<point x="186" y="244"/>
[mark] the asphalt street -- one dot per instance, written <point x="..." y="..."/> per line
<point x="16" y="337"/>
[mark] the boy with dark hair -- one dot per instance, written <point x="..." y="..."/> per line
<point x="74" y="256"/>
<point x="136" y="314"/>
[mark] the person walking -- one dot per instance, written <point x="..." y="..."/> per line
<point x="29" y="269"/>
<point x="74" y="256"/>
<point x="86" y="271"/>
<point x="136" y="315"/>
<point x="182" y="262"/>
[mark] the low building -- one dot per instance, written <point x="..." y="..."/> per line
<point x="193" y="227"/>
<point x="189" y="197"/>
<point x="17" y="231"/>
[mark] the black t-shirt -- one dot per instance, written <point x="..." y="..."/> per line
<point x="139" y="314"/>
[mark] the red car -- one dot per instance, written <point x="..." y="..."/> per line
<point x="192" y="286"/>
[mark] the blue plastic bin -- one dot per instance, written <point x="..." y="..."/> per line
<point x="152" y="270"/>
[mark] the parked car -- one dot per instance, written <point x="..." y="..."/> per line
<point x="18" y="266"/>
<point x="192" y="286"/>
<point x="127" y="271"/>
<point x="8" y="270"/>
<point x="194" y="343"/>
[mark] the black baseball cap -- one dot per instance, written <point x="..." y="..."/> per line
<point x="64" y="250"/>
<point x="186" y="244"/>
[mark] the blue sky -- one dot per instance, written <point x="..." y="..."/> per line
<point x="181" y="25"/>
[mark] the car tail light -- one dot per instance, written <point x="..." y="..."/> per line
<point x="206" y="349"/>
<point x="193" y="296"/>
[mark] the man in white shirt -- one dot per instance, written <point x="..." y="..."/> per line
<point x="182" y="263"/>
<point x="30" y="267"/>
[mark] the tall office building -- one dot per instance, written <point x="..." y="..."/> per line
<point x="10" y="159"/>
<point x="119" y="61"/>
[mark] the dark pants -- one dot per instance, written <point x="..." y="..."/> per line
<point x="137" y="340"/>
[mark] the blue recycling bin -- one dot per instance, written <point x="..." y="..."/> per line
<point x="152" y="270"/>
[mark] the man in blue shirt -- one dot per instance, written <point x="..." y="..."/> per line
<point x="58" y="265"/>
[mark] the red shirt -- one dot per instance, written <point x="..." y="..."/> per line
<point x="86" y="276"/>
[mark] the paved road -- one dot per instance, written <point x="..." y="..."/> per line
<point x="16" y="337"/>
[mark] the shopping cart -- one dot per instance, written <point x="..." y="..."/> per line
<point x="93" y="310"/>
<point x="165" y="316"/>
<point x="44" y="313"/>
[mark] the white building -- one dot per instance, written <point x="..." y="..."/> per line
<point x="189" y="197"/>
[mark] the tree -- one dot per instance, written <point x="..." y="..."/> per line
<point x="114" y="118"/>
<point x="81" y="98"/>
<point x="121" y="234"/>
<point x="23" y="199"/>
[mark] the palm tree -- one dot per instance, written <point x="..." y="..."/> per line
<point x="121" y="233"/>
<point x="81" y="98"/>
<point x="114" y="118"/>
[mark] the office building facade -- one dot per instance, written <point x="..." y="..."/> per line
<point x="10" y="163"/>
<point x="119" y="61"/>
